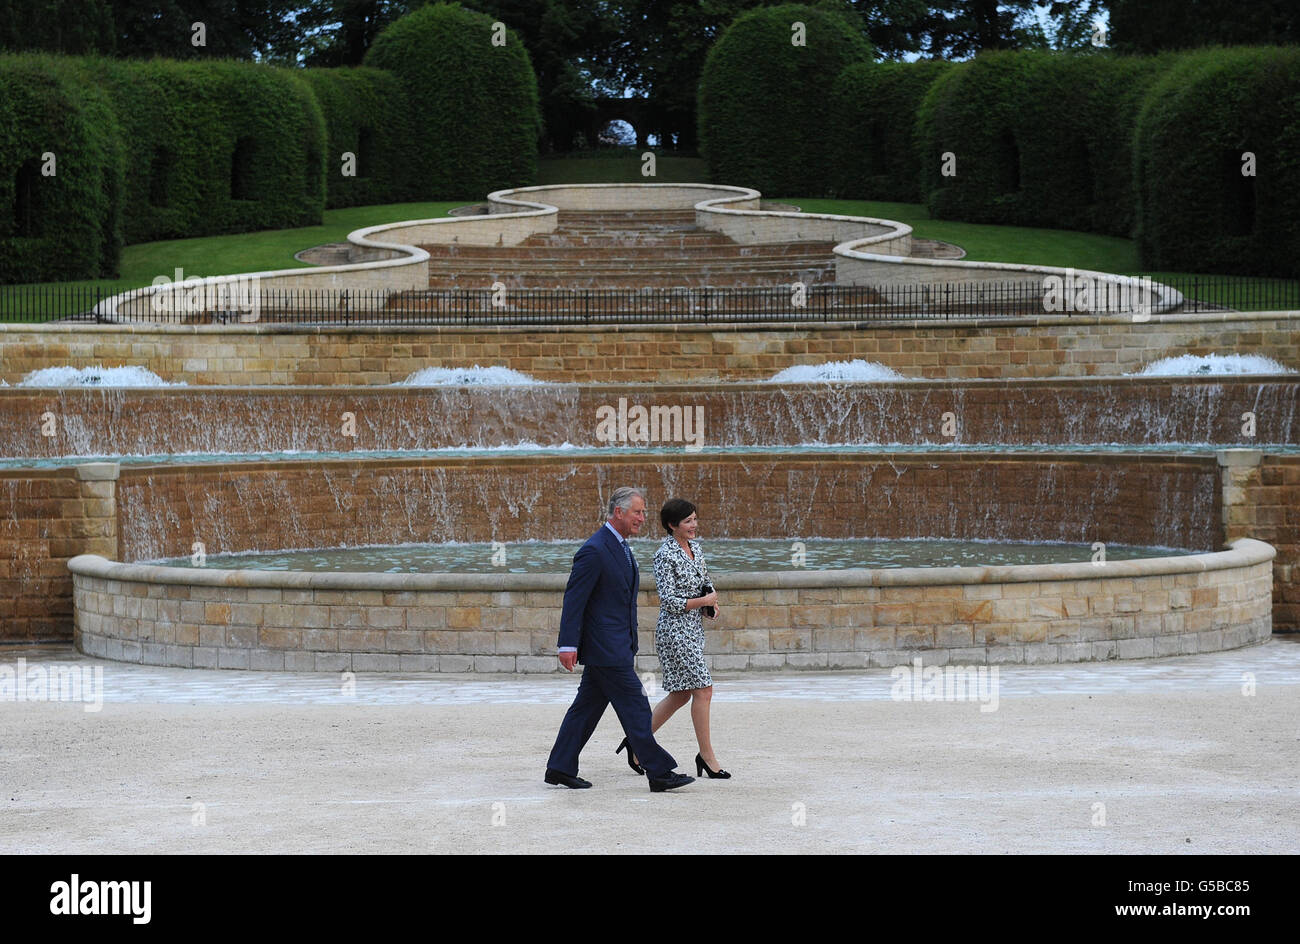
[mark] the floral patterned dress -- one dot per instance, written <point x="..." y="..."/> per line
<point x="679" y="633"/>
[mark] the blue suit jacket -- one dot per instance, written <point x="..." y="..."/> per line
<point x="599" y="615"/>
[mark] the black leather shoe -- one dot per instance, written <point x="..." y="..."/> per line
<point x="671" y="782"/>
<point x="563" y="779"/>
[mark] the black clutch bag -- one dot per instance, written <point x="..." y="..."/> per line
<point x="705" y="589"/>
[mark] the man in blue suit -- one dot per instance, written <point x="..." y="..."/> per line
<point x="598" y="629"/>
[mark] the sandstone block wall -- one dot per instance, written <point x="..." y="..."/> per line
<point x="1124" y="610"/>
<point x="240" y="355"/>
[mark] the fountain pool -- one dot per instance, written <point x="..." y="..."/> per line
<point x="724" y="556"/>
<point x="507" y="622"/>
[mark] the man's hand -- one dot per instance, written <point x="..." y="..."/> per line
<point x="568" y="660"/>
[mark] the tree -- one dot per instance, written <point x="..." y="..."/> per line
<point x="957" y="29"/>
<point x="1147" y="26"/>
<point x="340" y="32"/>
<point x="230" y="29"/>
<point x="72" y="27"/>
<point x="568" y="41"/>
<point x="661" y="48"/>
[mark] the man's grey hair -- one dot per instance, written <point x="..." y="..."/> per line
<point x="622" y="498"/>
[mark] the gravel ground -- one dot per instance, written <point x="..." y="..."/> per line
<point x="1160" y="756"/>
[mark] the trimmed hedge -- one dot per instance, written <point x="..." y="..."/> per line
<point x="1198" y="212"/>
<point x="163" y="149"/>
<point x="474" y="111"/>
<point x="68" y="225"/>
<point x="762" y="111"/>
<point x="220" y="147"/>
<point x="968" y="113"/>
<point x="1075" y="125"/>
<point x="873" y="151"/>
<point x="1040" y="139"/>
<point x="365" y="115"/>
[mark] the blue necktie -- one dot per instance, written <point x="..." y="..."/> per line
<point x="630" y="559"/>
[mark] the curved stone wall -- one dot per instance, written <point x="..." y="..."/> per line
<point x="869" y="251"/>
<point x="819" y="620"/>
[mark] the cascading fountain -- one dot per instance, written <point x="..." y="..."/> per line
<point x="1120" y="492"/>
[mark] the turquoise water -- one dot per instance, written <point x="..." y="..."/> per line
<point x="511" y="452"/>
<point x="722" y="556"/>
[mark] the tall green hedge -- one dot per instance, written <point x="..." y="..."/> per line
<point x="365" y="116"/>
<point x="1075" y="124"/>
<point x="474" y="116"/>
<point x="1198" y="211"/>
<point x="220" y="147"/>
<point x="68" y="224"/>
<point x="1040" y="139"/>
<point x="149" y="150"/>
<point x="873" y="149"/>
<point x="966" y="122"/>
<point x="763" y="110"/>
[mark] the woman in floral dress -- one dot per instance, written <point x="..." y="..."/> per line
<point x="680" y="577"/>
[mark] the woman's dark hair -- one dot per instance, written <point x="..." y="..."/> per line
<point x="674" y="512"/>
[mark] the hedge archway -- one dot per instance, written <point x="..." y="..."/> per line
<point x="1218" y="157"/>
<point x="61" y="190"/>
<point x="240" y="147"/>
<point x="874" y="149"/>
<point x="365" y="114"/>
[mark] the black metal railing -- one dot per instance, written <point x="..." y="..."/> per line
<point x="516" y="306"/>
<point x="1235" y="293"/>
<point x="948" y="301"/>
<point x="58" y="302"/>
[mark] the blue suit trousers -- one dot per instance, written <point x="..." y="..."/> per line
<point x="601" y="686"/>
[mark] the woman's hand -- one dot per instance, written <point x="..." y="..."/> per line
<point x="710" y="599"/>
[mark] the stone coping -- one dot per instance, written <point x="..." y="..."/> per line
<point x="1243" y="552"/>
<point x="721" y="194"/>
<point x="724" y="327"/>
<point x="704" y="386"/>
<point x="1164" y="297"/>
<point x="99" y="469"/>
<point x="510" y="204"/>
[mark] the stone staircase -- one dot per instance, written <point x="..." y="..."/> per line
<point x="629" y="250"/>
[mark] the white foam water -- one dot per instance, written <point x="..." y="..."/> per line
<point x="96" y="377"/>
<point x="832" y="371"/>
<point x="460" y="376"/>
<point x="1194" y="364"/>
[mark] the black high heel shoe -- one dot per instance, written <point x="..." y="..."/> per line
<point x="702" y="768"/>
<point x="630" y="762"/>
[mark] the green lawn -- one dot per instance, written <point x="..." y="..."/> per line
<point x="1067" y="248"/>
<point x="274" y="249"/>
<point x="252" y="252"/>
<point x="1052" y="247"/>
